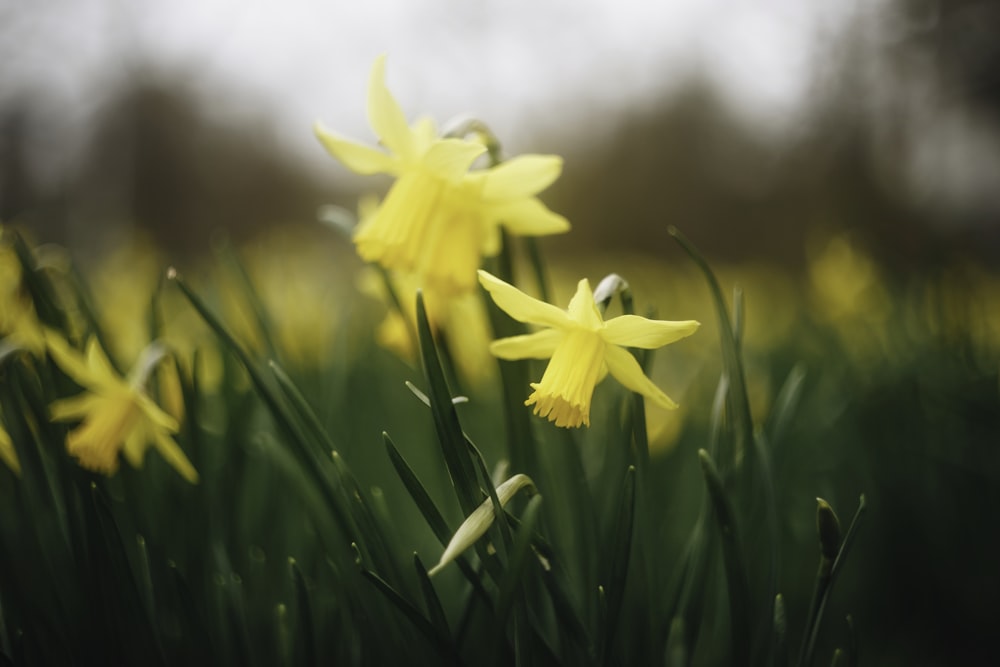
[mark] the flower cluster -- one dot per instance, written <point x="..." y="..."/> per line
<point x="442" y="215"/>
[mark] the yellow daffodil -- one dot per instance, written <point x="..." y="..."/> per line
<point x="117" y="414"/>
<point x="438" y="218"/>
<point x="7" y="452"/>
<point x="582" y="348"/>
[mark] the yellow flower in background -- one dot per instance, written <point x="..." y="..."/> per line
<point x="582" y="348"/>
<point x="462" y="318"/>
<point x="19" y="324"/>
<point x="117" y="415"/>
<point x="7" y="452"/>
<point x="438" y="218"/>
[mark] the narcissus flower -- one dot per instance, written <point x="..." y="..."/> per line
<point x="117" y="415"/>
<point x="439" y="218"/>
<point x="582" y="348"/>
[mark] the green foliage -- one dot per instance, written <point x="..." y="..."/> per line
<point x="305" y="541"/>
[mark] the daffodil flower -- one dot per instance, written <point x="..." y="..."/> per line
<point x="117" y="415"/>
<point x="439" y="218"/>
<point x="582" y="348"/>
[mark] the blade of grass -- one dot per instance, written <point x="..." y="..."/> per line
<point x="441" y="643"/>
<point x="433" y="517"/>
<point x="285" y="422"/>
<point x="621" y="546"/>
<point x="306" y="644"/>
<point x="732" y="555"/>
<point x="740" y="413"/>
<point x="446" y="423"/>
<point x="434" y="608"/>
<point x="513" y="578"/>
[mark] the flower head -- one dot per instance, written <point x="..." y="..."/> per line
<point x="117" y="415"/>
<point x="439" y="218"/>
<point x="582" y="348"/>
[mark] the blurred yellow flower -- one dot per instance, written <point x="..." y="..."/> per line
<point x="117" y="414"/>
<point x="7" y="452"/>
<point x="462" y="318"/>
<point x="19" y="324"/>
<point x="438" y="218"/>
<point x="582" y="348"/>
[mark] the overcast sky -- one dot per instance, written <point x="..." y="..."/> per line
<point x="522" y="65"/>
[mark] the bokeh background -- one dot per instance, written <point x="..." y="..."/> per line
<point x="840" y="160"/>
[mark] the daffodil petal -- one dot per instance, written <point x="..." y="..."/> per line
<point x="424" y="134"/>
<point x="635" y="331"/>
<point x="174" y="455"/>
<point x="522" y="176"/>
<point x="76" y="407"/>
<point x="68" y="359"/>
<point x="624" y="368"/>
<point x="385" y="115"/>
<point x="358" y="158"/>
<point x="134" y="448"/>
<point x="450" y="159"/>
<point x="529" y="217"/>
<point x="98" y="363"/>
<point x="582" y="308"/>
<point x="538" y="345"/>
<point x="156" y="415"/>
<point x="522" y="307"/>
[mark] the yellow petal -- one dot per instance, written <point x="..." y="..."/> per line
<point x="356" y="157"/>
<point x="155" y="415"/>
<point x="174" y="455"/>
<point x="635" y="331"/>
<point x="529" y="217"/>
<point x="99" y="365"/>
<point x="582" y="309"/>
<point x="76" y="407"/>
<point x="68" y="359"/>
<point x="522" y="176"/>
<point x="539" y="345"/>
<point x="386" y="117"/>
<point x="450" y="159"/>
<point x="624" y="368"/>
<point x="522" y="307"/>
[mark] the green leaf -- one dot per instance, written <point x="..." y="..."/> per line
<point x="780" y="632"/>
<point x="430" y="512"/>
<point x="440" y="642"/>
<point x="732" y="555"/>
<point x="306" y="636"/>
<point x="785" y="405"/>
<point x="449" y="430"/>
<point x="513" y="578"/>
<point x="621" y="551"/>
<point x="434" y="608"/>
<point x="739" y="406"/>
